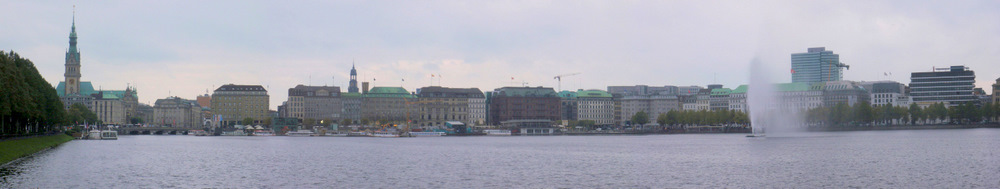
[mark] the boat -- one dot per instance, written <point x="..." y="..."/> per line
<point x="200" y="133"/>
<point x="384" y="134"/>
<point x="497" y="132"/>
<point x="192" y="132"/>
<point x="357" y="134"/>
<point x="238" y="132"/>
<point x="263" y="133"/>
<point x="753" y="135"/>
<point x="109" y="135"/>
<point x="426" y="134"/>
<point x="94" y="134"/>
<point x="299" y="133"/>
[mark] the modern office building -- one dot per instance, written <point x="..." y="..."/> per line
<point x="231" y="104"/>
<point x="314" y="102"/>
<point x="523" y="103"/>
<point x="817" y="65"/>
<point x="952" y="86"/>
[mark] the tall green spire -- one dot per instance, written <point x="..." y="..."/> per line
<point x="72" y="33"/>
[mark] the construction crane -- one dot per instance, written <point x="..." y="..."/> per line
<point x="559" y="78"/>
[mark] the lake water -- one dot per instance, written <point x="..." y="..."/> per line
<point x="961" y="158"/>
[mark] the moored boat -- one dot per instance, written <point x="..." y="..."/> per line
<point x="299" y="133"/>
<point x="497" y="132"/>
<point x="109" y="135"/>
<point x="426" y="134"/>
<point x="263" y="133"/>
<point x="384" y="134"/>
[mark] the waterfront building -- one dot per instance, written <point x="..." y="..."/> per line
<point x="568" y="107"/>
<point x="642" y="90"/>
<point x="438" y="105"/>
<point x="738" y="98"/>
<point x="849" y="92"/>
<point x="351" y="105"/>
<point x="115" y="107"/>
<point x="386" y="103"/>
<point x="688" y="102"/>
<point x="523" y="103"/>
<point x="887" y="93"/>
<point x="652" y="104"/>
<point x="477" y="109"/>
<point x="145" y="112"/>
<point x="704" y="99"/>
<point x="800" y="97"/>
<point x="232" y="103"/>
<point x="205" y="101"/>
<point x="71" y="90"/>
<point x="996" y="92"/>
<point x="952" y="86"/>
<point x="817" y="65"/>
<point x="595" y="105"/>
<point x="718" y="99"/>
<point x="688" y="90"/>
<point x="177" y="112"/>
<point x="111" y="106"/>
<point x="314" y="102"/>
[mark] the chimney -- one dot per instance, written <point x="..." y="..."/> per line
<point x="364" y="87"/>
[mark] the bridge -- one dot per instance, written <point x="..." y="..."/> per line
<point x="153" y="131"/>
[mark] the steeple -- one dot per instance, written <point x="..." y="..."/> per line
<point x="72" y="61"/>
<point x="353" y="88"/>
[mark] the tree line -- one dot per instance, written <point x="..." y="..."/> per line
<point x="28" y="103"/>
<point x="865" y="114"/>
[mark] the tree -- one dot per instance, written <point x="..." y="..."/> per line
<point x="309" y="122"/>
<point x="863" y="113"/>
<point x="80" y="114"/>
<point x="247" y="121"/>
<point x="640" y="118"/>
<point x="136" y="120"/>
<point x="915" y="113"/>
<point x="345" y="122"/>
<point x="268" y="121"/>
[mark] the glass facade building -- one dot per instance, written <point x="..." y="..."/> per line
<point x="953" y="86"/>
<point x="816" y="65"/>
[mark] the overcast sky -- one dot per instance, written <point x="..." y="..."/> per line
<point x="183" y="48"/>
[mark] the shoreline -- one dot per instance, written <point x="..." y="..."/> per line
<point x="14" y="150"/>
<point x="901" y="127"/>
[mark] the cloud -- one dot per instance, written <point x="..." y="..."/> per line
<point x="173" y="48"/>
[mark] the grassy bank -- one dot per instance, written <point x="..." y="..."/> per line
<point x="12" y="149"/>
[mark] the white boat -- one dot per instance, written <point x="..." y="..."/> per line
<point x="109" y="135"/>
<point x="426" y="134"/>
<point x="384" y="134"/>
<point x="299" y="133"/>
<point x="263" y="133"/>
<point x="497" y="132"/>
<point x="94" y="134"/>
<point x="200" y="133"/>
<point x="234" y="133"/>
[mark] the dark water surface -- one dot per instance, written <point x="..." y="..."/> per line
<point x="962" y="158"/>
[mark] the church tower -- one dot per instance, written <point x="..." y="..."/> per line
<point x="354" y="80"/>
<point x="72" y="62"/>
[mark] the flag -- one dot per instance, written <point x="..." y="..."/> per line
<point x="432" y="75"/>
<point x="793" y="70"/>
<point x="511" y="78"/>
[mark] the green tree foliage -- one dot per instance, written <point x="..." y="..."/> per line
<point x="78" y="114"/>
<point x="640" y="118"/>
<point x="247" y="121"/>
<point x="915" y="113"/>
<point x="26" y="99"/>
<point x="346" y="122"/>
<point x="309" y="122"/>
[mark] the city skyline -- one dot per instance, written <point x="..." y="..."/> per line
<point x="165" y="53"/>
